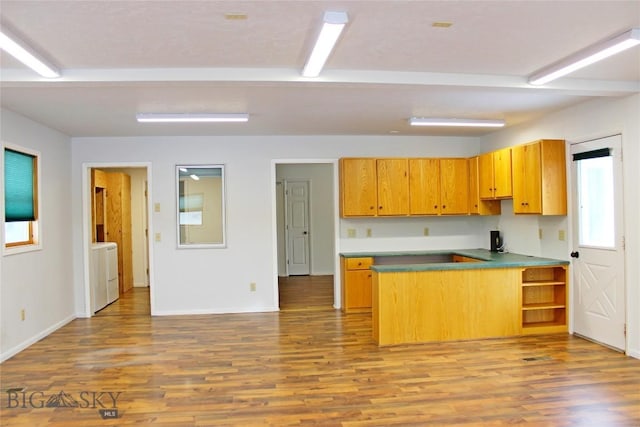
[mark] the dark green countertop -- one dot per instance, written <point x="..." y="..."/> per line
<point x="487" y="259"/>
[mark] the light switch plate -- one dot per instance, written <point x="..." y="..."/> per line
<point x="158" y="237"/>
<point x="156" y="207"/>
<point x="368" y="232"/>
<point x="351" y="232"/>
<point x="561" y="235"/>
<point x="425" y="231"/>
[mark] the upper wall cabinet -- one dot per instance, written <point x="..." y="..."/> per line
<point x="393" y="187"/>
<point x="539" y="178"/>
<point x="438" y="187"/>
<point x="374" y="187"/>
<point x="358" y="187"/>
<point x="495" y="174"/>
<point x="479" y="206"/>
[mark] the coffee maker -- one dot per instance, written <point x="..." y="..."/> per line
<point x="495" y="240"/>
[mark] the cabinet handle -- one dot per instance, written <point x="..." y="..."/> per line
<point x="435" y="206"/>
<point x="444" y="206"/>
<point x="371" y="207"/>
<point x="380" y="207"/>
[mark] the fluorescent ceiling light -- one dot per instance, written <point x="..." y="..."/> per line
<point x="587" y="56"/>
<point x="194" y="177"/>
<point x="190" y="118"/>
<point x="334" y="23"/>
<point x="427" y="121"/>
<point x="17" y="48"/>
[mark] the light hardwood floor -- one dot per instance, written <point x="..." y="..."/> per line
<point x="308" y="365"/>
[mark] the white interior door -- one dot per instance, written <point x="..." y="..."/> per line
<point x="598" y="242"/>
<point x="297" y="227"/>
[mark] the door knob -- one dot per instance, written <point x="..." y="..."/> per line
<point x="575" y="254"/>
<point x="304" y="232"/>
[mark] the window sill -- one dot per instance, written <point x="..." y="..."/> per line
<point x="14" y="250"/>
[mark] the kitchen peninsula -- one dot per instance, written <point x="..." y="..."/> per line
<point x="462" y="294"/>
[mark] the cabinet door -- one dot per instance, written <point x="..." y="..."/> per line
<point x="393" y="187"/>
<point x="454" y="186"/>
<point x="358" y="195"/>
<point x="485" y="175"/>
<point x="527" y="197"/>
<point x="502" y="173"/>
<point x="424" y="186"/>
<point x="476" y="205"/>
<point x="357" y="289"/>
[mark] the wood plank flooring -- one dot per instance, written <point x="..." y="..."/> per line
<point x="306" y="365"/>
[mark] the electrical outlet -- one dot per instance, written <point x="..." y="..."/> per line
<point x="252" y="286"/>
<point x="158" y="237"/>
<point x="561" y="235"/>
<point x="368" y="232"/>
<point x="156" y="207"/>
<point x="351" y="232"/>
<point x="540" y="233"/>
<point x="23" y="315"/>
<point x="425" y="231"/>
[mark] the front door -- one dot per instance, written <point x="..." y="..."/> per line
<point x="297" y="227"/>
<point x="598" y="242"/>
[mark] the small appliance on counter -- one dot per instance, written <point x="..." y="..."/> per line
<point x="496" y="241"/>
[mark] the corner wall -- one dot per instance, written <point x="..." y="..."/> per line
<point x="40" y="282"/>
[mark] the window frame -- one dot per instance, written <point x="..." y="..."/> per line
<point x="35" y="233"/>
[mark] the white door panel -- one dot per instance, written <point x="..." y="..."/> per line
<point x="598" y="263"/>
<point x="297" y="227"/>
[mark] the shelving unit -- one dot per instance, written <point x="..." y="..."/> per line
<point x="544" y="299"/>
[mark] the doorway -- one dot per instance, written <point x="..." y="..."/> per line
<point x="138" y="273"/>
<point x="598" y="241"/>
<point x="306" y="217"/>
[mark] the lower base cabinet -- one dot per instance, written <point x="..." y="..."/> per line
<point x="447" y="305"/>
<point x="356" y="283"/>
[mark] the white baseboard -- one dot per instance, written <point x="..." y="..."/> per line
<point x="634" y="353"/>
<point x="17" y="349"/>
<point x="229" y="310"/>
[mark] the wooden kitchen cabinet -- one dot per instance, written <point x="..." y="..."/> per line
<point x="438" y="186"/>
<point x="478" y="206"/>
<point x="374" y="187"/>
<point x="454" y="186"/>
<point x="424" y="186"/>
<point x="539" y="178"/>
<point x="393" y="187"/>
<point x="495" y="174"/>
<point x="358" y="187"/>
<point x="356" y="283"/>
<point x="544" y="299"/>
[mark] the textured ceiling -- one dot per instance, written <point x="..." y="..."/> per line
<point x="123" y="57"/>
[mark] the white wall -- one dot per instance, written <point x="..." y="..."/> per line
<point x="217" y="280"/>
<point x="321" y="209"/>
<point x="586" y="121"/>
<point x="39" y="282"/>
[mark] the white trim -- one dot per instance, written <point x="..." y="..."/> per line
<point x="228" y="310"/>
<point x="42" y="334"/>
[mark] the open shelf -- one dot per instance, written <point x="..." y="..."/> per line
<point x="544" y="299"/>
